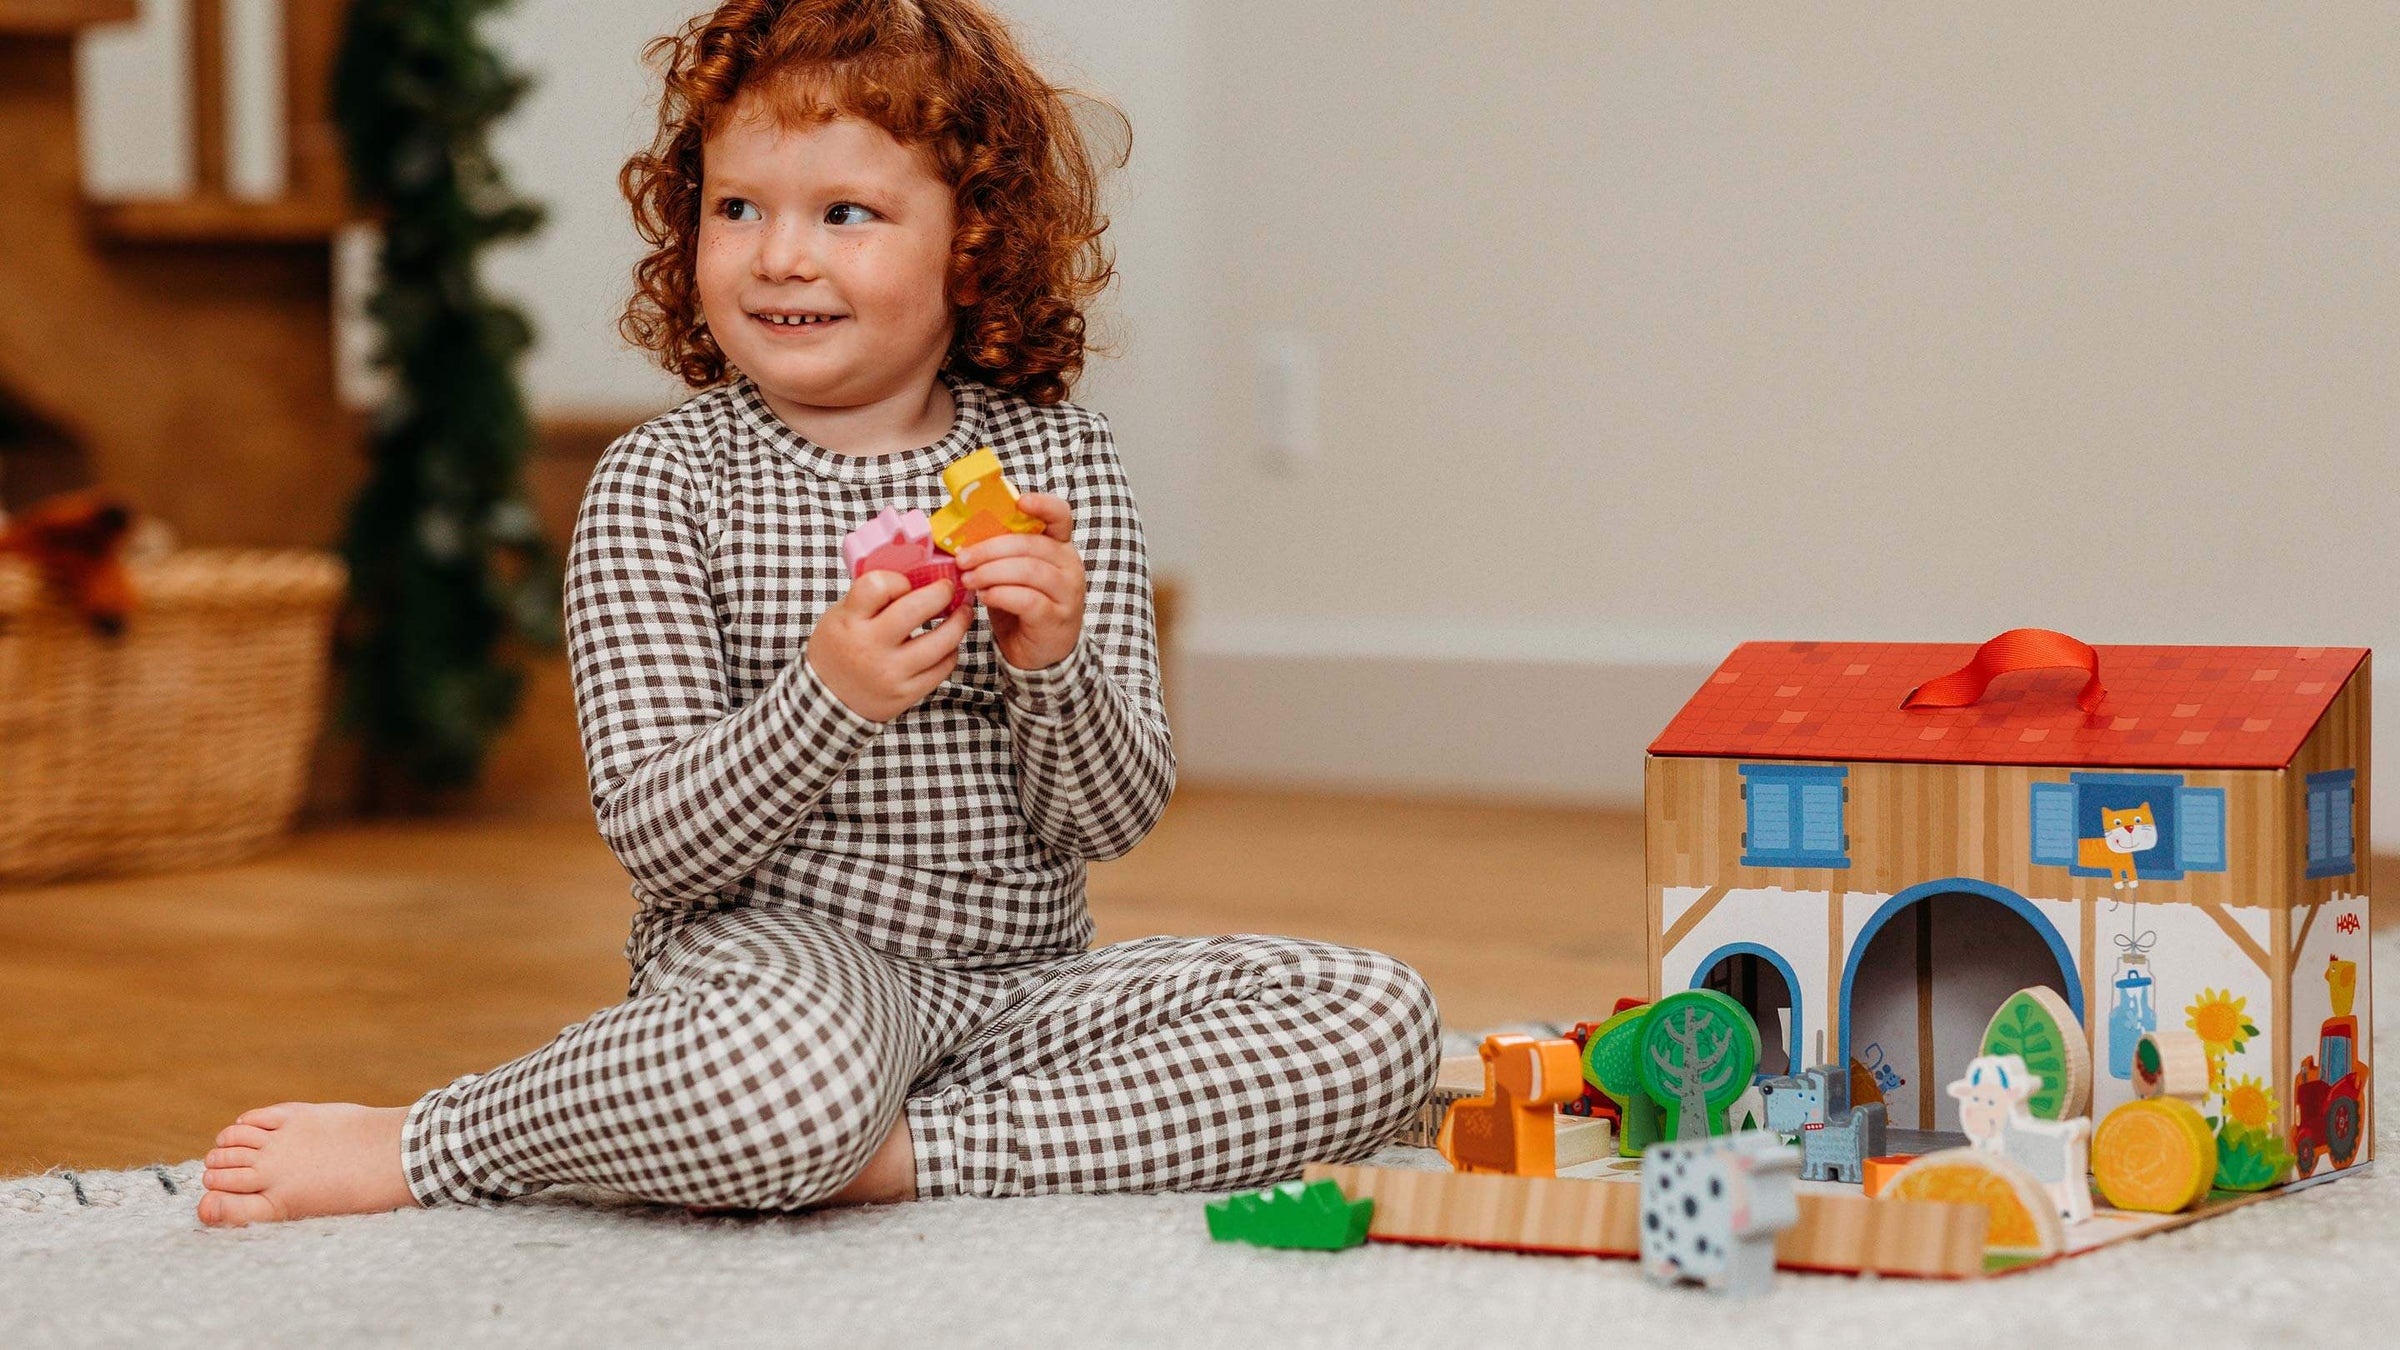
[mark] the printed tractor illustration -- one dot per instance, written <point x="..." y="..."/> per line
<point x="2329" y="1098"/>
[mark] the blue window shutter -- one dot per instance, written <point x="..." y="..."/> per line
<point x="1821" y="817"/>
<point x="2054" y="824"/>
<point x="2200" y="829"/>
<point x="1770" y="816"/>
<point x="2332" y="823"/>
<point x="1795" y="815"/>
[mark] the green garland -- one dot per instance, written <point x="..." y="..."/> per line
<point x="450" y="579"/>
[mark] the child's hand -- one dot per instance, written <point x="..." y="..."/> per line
<point x="1032" y="584"/>
<point x="863" y="649"/>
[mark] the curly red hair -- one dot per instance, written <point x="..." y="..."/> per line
<point x="942" y="74"/>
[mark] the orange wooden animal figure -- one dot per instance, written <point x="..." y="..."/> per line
<point x="1513" y="1127"/>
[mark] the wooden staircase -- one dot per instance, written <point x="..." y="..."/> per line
<point x="179" y="351"/>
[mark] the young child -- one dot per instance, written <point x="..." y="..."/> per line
<point x="860" y="965"/>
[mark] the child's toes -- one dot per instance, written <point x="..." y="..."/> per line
<point x="245" y="1136"/>
<point x="231" y="1157"/>
<point x="233" y="1180"/>
<point x="265" y="1117"/>
<point x="219" y="1210"/>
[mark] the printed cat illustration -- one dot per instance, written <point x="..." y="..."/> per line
<point x="2125" y="833"/>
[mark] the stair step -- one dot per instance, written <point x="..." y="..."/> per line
<point x="218" y="220"/>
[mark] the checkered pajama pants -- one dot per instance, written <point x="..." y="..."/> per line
<point x="763" y="1055"/>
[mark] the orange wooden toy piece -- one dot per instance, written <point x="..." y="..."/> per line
<point x="1513" y="1127"/>
<point x="1877" y="1173"/>
<point x="982" y="505"/>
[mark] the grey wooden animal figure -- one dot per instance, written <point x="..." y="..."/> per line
<point x="1796" y="1102"/>
<point x="1711" y="1210"/>
<point x="1838" y="1150"/>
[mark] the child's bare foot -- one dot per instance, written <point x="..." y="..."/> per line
<point x="299" y="1160"/>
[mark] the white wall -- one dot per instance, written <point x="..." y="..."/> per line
<point x="133" y="96"/>
<point x="591" y="107"/>
<point x="1648" y="328"/>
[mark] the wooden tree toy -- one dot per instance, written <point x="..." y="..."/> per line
<point x="1594" y="1103"/>
<point x="2038" y="1027"/>
<point x="1513" y="1126"/>
<point x="1699" y="1049"/>
<point x="1612" y="1062"/>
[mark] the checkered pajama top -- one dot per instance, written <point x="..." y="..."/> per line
<point x="723" y="774"/>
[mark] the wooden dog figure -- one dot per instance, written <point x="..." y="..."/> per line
<point x="1805" y="1100"/>
<point x="1837" y="1150"/>
<point x="1513" y="1127"/>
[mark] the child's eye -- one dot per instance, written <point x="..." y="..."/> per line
<point x="732" y="207"/>
<point x="847" y="213"/>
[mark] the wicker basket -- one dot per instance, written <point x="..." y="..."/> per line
<point x="187" y="740"/>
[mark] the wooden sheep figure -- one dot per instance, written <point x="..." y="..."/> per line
<point x="1991" y="1109"/>
<point x="1711" y="1210"/>
<point x="1804" y="1100"/>
<point x="1513" y="1127"/>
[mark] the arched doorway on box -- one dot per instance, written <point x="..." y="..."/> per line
<point x="1763" y="983"/>
<point x="1925" y="975"/>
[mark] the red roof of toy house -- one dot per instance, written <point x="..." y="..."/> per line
<point x="2179" y="707"/>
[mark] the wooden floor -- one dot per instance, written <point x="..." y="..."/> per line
<point x="370" y="963"/>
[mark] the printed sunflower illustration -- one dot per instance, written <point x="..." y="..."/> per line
<point x="2220" y="1021"/>
<point x="2249" y="1103"/>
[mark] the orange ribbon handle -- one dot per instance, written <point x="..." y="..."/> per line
<point x="2016" y="649"/>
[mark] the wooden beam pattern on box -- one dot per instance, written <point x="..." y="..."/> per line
<point x="1843" y="1234"/>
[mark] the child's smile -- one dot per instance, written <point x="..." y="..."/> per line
<point x="822" y="263"/>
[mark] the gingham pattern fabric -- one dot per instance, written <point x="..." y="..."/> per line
<point x="724" y="774"/>
<point x="840" y="921"/>
<point x="766" y="1053"/>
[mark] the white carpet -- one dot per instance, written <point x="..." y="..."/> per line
<point x="128" y="1264"/>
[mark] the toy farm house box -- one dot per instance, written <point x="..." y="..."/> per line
<point x="1872" y="845"/>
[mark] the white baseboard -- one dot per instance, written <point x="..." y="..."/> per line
<point x="1512" y="725"/>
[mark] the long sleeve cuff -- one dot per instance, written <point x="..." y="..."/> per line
<point x="824" y="713"/>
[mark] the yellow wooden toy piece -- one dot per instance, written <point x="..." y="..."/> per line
<point x="2156" y="1155"/>
<point x="982" y="505"/>
<point x="2024" y="1220"/>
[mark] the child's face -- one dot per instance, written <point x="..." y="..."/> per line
<point x="837" y="222"/>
